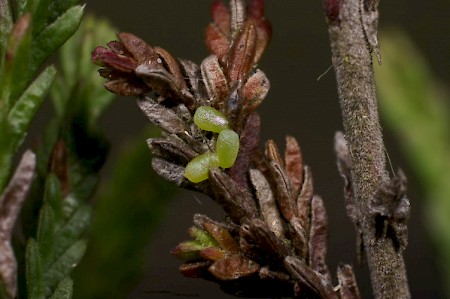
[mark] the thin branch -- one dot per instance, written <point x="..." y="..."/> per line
<point x="352" y="30"/>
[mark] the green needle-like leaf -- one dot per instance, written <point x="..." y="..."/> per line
<point x="15" y="71"/>
<point x="54" y="35"/>
<point x="73" y="229"/>
<point x="57" y="8"/>
<point x="65" y="264"/>
<point x="53" y="196"/>
<point x="40" y="12"/>
<point x="46" y="235"/>
<point x="6" y="24"/>
<point x="35" y="275"/>
<point x="64" y="290"/>
<point x="24" y="110"/>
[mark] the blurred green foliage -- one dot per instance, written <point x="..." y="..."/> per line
<point x="129" y="206"/>
<point x="29" y="33"/>
<point x="416" y="106"/>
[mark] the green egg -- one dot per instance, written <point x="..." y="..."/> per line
<point x="198" y="169"/>
<point x="227" y="148"/>
<point x="209" y="119"/>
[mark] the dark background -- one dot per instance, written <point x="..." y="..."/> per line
<point x="297" y="105"/>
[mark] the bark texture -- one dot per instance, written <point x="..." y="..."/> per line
<point x="352" y="45"/>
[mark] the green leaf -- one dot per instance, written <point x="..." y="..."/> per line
<point x="54" y="35"/>
<point x="23" y="111"/>
<point x="46" y="235"/>
<point x="64" y="290"/>
<point x="65" y="264"/>
<point x="52" y="195"/>
<point x="34" y="273"/>
<point x="57" y="8"/>
<point x="39" y="10"/>
<point x="79" y="77"/>
<point x="15" y="72"/>
<point x="20" y="7"/>
<point x="6" y="25"/>
<point x="73" y="229"/>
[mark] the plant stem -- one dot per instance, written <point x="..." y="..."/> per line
<point x="352" y="61"/>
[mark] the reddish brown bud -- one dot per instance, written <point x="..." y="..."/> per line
<point x="256" y="9"/>
<point x="331" y="10"/>
<point x="221" y="17"/>
<point x="107" y="58"/>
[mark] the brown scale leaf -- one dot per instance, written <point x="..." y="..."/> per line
<point x="283" y="191"/>
<point x="222" y="236"/>
<point x="234" y="106"/>
<point x="237" y="202"/>
<point x="158" y="79"/>
<point x="310" y="281"/>
<point x="118" y="48"/>
<point x="249" y="140"/>
<point x="192" y="73"/>
<point x="254" y="91"/>
<point x="233" y="267"/>
<point x="264" y="34"/>
<point x="318" y="238"/>
<point x="272" y="153"/>
<point x="294" y="163"/>
<point x="348" y="288"/>
<point x="304" y="198"/>
<point x="267" y="240"/>
<point x="266" y="273"/>
<point x="242" y="53"/>
<point x="171" y="149"/>
<point x="221" y="16"/>
<point x="174" y="174"/>
<point x="138" y="48"/>
<point x="238" y="15"/>
<point x="212" y="254"/>
<point x="255" y="11"/>
<point x="161" y="116"/>
<point x="267" y="203"/>
<point x="200" y="220"/>
<point x="217" y="42"/>
<point x="169" y="171"/>
<point x="126" y="87"/>
<point x="299" y="237"/>
<point x="195" y="270"/>
<point x="171" y="64"/>
<point x="215" y="82"/>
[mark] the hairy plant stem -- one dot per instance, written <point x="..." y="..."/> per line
<point x="352" y="61"/>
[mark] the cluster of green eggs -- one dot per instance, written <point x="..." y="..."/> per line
<point x="227" y="145"/>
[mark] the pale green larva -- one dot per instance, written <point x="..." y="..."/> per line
<point x="210" y="119"/>
<point x="227" y="145"/>
<point x="197" y="169"/>
<point x="227" y="148"/>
